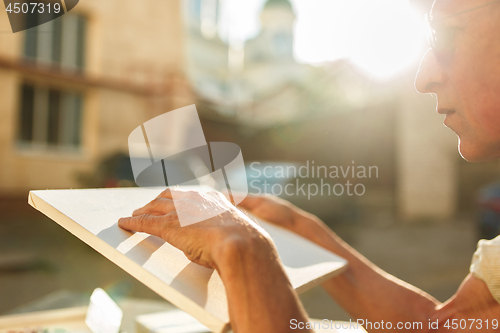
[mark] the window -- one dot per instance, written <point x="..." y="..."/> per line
<point x="60" y="42"/>
<point x="50" y="118"/>
<point x="283" y="44"/>
<point x="195" y="9"/>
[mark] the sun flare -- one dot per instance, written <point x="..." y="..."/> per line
<point x="381" y="37"/>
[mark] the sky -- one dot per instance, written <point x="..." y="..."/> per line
<point x="381" y="37"/>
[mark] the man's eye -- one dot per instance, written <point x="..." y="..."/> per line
<point x="445" y="37"/>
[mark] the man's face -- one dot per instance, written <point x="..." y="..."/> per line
<point x="465" y="75"/>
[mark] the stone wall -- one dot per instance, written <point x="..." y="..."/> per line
<point x="134" y="59"/>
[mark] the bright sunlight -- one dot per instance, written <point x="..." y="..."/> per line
<point x="382" y="37"/>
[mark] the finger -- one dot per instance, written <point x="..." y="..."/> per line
<point x="225" y="193"/>
<point x="251" y="201"/>
<point x="159" y="206"/>
<point x="237" y="196"/>
<point x="154" y="225"/>
<point x="167" y="194"/>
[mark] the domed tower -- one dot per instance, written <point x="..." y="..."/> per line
<point x="275" y="41"/>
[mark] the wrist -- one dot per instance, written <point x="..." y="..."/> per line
<point x="312" y="228"/>
<point x="238" y="252"/>
<point x="256" y="285"/>
<point x="308" y="226"/>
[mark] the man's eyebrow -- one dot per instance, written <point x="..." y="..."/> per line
<point x="433" y="19"/>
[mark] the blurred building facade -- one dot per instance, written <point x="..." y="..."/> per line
<point x="74" y="88"/>
<point x="207" y="56"/>
<point x="271" y="83"/>
<point x="258" y="82"/>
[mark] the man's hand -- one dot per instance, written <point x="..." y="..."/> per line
<point x="203" y="242"/>
<point x="281" y="212"/>
<point x="260" y="296"/>
<point x="272" y="209"/>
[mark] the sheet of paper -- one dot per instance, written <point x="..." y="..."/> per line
<point x="92" y="215"/>
<point x="175" y="321"/>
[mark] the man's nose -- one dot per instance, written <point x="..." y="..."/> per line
<point x="430" y="75"/>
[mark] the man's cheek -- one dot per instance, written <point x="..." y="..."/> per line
<point x="487" y="116"/>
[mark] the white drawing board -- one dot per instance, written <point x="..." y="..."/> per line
<point x="92" y="216"/>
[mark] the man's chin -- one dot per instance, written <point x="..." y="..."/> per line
<point x="476" y="153"/>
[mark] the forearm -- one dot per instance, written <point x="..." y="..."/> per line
<point x="364" y="290"/>
<point x="260" y="296"/>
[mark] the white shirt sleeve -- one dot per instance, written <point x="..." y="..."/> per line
<point x="486" y="265"/>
